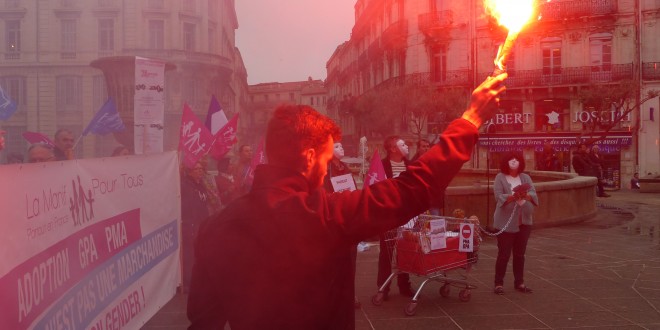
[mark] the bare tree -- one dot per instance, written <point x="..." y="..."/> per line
<point x="617" y="100"/>
<point x="407" y="106"/>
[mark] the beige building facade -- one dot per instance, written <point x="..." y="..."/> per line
<point x="48" y="45"/>
<point x="574" y="47"/>
<point x="265" y="97"/>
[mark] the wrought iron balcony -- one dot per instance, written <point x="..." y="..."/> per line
<point x="437" y="23"/>
<point x="567" y="76"/>
<point x="375" y="51"/>
<point x="396" y="35"/>
<point x="651" y="71"/>
<point x="448" y="78"/>
<point x="363" y="60"/>
<point x="560" y="10"/>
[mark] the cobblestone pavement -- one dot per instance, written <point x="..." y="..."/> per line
<point x="603" y="273"/>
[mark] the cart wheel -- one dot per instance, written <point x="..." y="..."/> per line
<point x="444" y="290"/>
<point x="378" y="298"/>
<point x="465" y="295"/>
<point x="410" y="309"/>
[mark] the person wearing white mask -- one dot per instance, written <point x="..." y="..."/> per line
<point x="516" y="199"/>
<point x="395" y="163"/>
<point x="337" y="168"/>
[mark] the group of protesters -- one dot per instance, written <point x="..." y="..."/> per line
<point x="60" y="148"/>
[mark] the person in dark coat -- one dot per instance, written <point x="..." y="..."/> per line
<point x="194" y="210"/>
<point x="338" y="168"/>
<point x="598" y="166"/>
<point x="394" y="163"/>
<point x="279" y="257"/>
<point x="584" y="166"/>
<point x="548" y="160"/>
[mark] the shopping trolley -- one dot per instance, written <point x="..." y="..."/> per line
<point x="431" y="246"/>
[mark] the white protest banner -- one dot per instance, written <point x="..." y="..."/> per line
<point x="343" y="182"/>
<point x="466" y="238"/>
<point x="88" y="244"/>
<point x="437" y="234"/>
<point x="149" y="105"/>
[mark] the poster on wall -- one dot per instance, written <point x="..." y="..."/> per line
<point x="87" y="244"/>
<point x="149" y="105"/>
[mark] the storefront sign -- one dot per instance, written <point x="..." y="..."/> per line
<point x="508" y="142"/>
<point x="602" y="116"/>
<point x="509" y="118"/>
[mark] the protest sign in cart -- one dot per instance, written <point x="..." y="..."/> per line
<point x="431" y="247"/>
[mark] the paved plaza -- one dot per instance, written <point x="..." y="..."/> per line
<point x="603" y="273"/>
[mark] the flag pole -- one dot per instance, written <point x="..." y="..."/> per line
<point x="78" y="140"/>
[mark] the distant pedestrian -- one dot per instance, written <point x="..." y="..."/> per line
<point x="225" y="183"/>
<point x="121" y="151"/>
<point x="584" y="166"/>
<point x="548" y="160"/>
<point x="337" y="168"/>
<point x="41" y="152"/>
<point x="394" y="163"/>
<point x="63" y="144"/>
<point x="194" y="210"/>
<point x="634" y="182"/>
<point x="598" y="164"/>
<point x="242" y="169"/>
<point x="14" y="158"/>
<point x="423" y="145"/>
<point x="2" y="139"/>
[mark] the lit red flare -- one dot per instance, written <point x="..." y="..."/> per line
<point x="512" y="14"/>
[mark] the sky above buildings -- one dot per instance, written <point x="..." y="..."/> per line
<point x="290" y="40"/>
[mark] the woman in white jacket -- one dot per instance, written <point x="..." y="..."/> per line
<point x="516" y="199"/>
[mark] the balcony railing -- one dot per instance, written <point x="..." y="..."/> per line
<point x="436" y="22"/>
<point x="567" y="76"/>
<point x="375" y="51"/>
<point x="11" y="4"/>
<point x="449" y="78"/>
<point x="396" y="35"/>
<point x="12" y="55"/>
<point x="560" y="10"/>
<point x="363" y="60"/>
<point x="651" y="71"/>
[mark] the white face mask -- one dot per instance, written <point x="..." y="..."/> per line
<point x="514" y="164"/>
<point x="338" y="151"/>
<point x="403" y="148"/>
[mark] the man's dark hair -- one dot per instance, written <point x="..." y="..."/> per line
<point x="504" y="163"/>
<point x="294" y="129"/>
<point x="390" y="142"/>
<point x="62" y="130"/>
<point x="419" y="142"/>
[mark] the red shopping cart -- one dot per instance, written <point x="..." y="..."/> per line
<point x="431" y="246"/>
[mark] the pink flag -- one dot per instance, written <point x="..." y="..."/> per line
<point x="35" y="137"/>
<point x="225" y="138"/>
<point x="258" y="158"/>
<point x="195" y="140"/>
<point x="376" y="171"/>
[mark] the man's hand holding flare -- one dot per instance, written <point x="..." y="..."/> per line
<point x="484" y="100"/>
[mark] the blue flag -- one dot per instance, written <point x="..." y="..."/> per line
<point x="106" y="120"/>
<point x="7" y="106"/>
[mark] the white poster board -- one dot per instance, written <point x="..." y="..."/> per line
<point x="149" y="105"/>
<point x="437" y="234"/>
<point x="343" y="182"/>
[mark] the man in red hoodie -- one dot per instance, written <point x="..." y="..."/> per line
<point x="280" y="256"/>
